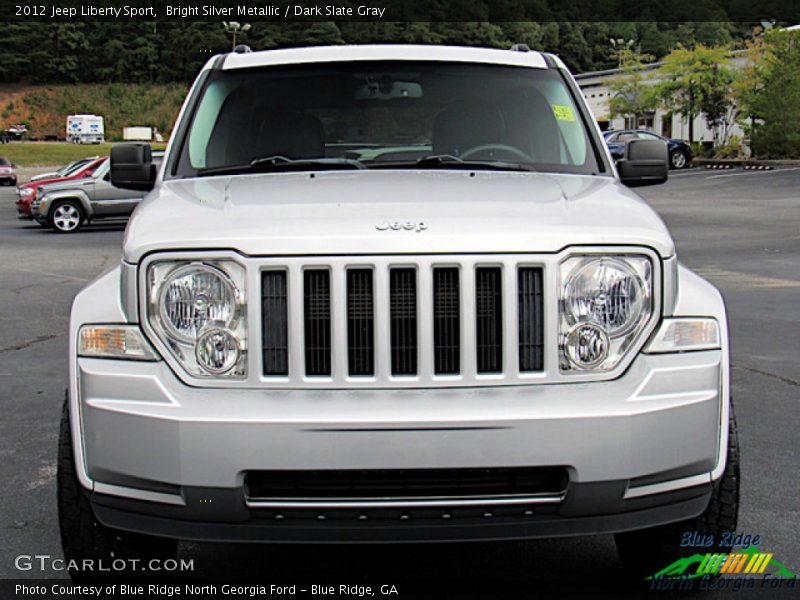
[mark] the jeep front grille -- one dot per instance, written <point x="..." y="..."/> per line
<point x="383" y="320"/>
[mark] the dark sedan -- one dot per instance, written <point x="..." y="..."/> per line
<point x="680" y="153"/>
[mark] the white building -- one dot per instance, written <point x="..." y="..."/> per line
<point x="595" y="87"/>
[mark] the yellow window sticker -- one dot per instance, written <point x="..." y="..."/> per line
<point x="563" y="112"/>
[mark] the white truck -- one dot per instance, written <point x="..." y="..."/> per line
<point x="137" y="134"/>
<point x="85" y="129"/>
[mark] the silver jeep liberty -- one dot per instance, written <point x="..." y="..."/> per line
<point x="390" y="294"/>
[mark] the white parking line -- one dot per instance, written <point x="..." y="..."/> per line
<point x="742" y="279"/>
<point x="687" y="173"/>
<point x="754" y="173"/>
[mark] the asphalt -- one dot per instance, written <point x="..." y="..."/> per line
<point x="737" y="228"/>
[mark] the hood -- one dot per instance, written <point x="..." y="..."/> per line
<point x="353" y="212"/>
<point x="63" y="183"/>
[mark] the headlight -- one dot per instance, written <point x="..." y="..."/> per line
<point x="194" y="297"/>
<point x="197" y="309"/>
<point x="26" y="192"/>
<point x="606" y="303"/>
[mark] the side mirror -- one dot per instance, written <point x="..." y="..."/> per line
<point x="132" y="167"/>
<point x="645" y="162"/>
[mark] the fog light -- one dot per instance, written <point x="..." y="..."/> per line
<point x="586" y="345"/>
<point x="217" y="351"/>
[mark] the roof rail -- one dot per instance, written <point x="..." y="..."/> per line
<point x="521" y="48"/>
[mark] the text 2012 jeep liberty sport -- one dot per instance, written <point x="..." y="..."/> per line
<point x="394" y="293"/>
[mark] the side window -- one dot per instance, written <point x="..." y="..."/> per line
<point x="644" y="135"/>
<point x="205" y="120"/>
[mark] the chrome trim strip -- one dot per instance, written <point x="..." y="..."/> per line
<point x="666" y="486"/>
<point x="136" y="494"/>
<point x="405" y="503"/>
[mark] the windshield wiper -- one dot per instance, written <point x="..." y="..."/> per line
<point x="448" y="161"/>
<point x="282" y="163"/>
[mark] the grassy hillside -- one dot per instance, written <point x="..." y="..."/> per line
<point x="44" y="109"/>
<point x="45" y="154"/>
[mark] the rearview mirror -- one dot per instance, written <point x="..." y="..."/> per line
<point x="385" y="89"/>
<point x="645" y="162"/>
<point x="132" y="167"/>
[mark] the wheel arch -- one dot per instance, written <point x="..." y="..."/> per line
<point x="55" y="198"/>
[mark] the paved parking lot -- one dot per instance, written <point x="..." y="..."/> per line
<point x="740" y="229"/>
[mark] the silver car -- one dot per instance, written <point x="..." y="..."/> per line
<point x="490" y="337"/>
<point x="67" y="205"/>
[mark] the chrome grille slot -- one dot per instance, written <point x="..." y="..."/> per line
<point x="446" y="321"/>
<point x="531" y="319"/>
<point x="489" y="319"/>
<point x="403" y="320"/>
<point x="317" y="321"/>
<point x="275" y="336"/>
<point x="360" y="323"/>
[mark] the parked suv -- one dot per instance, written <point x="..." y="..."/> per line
<point x="27" y="193"/>
<point x="491" y="340"/>
<point x="66" y="205"/>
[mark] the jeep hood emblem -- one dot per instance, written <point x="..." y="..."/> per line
<point x="402" y="225"/>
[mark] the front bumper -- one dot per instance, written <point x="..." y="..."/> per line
<point x="168" y="459"/>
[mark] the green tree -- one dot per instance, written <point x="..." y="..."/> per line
<point x="633" y="93"/>
<point x="750" y="80"/>
<point x="776" y="133"/>
<point x="693" y="81"/>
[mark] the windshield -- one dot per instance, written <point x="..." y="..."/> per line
<point x="399" y="114"/>
<point x="5" y="162"/>
<point x="67" y="168"/>
<point x="75" y="167"/>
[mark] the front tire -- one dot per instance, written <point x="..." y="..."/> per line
<point x="82" y="535"/>
<point x="66" y="216"/>
<point x="678" y="159"/>
<point x="644" y="552"/>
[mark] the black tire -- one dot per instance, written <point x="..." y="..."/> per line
<point x="678" y="159"/>
<point x="66" y="216"/>
<point x="645" y="552"/>
<point x="84" y="537"/>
